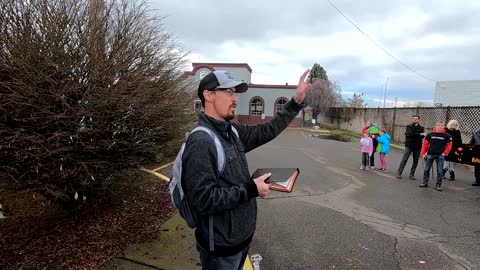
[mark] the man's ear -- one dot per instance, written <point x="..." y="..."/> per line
<point x="208" y="95"/>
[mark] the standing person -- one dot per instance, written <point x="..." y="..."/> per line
<point x="384" y="141"/>
<point x="226" y="201"/>
<point x="436" y="146"/>
<point x="375" y="146"/>
<point x="476" y="141"/>
<point x="414" y="134"/>
<point x="367" y="149"/>
<point x="365" y="128"/>
<point x="453" y="130"/>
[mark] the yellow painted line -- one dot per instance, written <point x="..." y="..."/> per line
<point x="247" y="265"/>
<point x="320" y="131"/>
<point x="161" y="176"/>
<point x="163" y="166"/>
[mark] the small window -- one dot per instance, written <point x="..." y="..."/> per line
<point x="280" y="104"/>
<point x="256" y="106"/>
<point x="203" y="73"/>
<point x="197" y="104"/>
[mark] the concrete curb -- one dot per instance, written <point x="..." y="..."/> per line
<point x="173" y="249"/>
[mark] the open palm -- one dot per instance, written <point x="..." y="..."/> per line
<point x="302" y="87"/>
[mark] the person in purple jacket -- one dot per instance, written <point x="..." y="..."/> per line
<point x="367" y="150"/>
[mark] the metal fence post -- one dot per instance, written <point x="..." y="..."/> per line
<point x="448" y="115"/>
<point x="393" y="122"/>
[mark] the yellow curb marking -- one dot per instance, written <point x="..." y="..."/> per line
<point x="320" y="131"/>
<point x="163" y="166"/>
<point x="161" y="176"/>
<point x="248" y="264"/>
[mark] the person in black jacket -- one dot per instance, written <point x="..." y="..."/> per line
<point x="453" y="130"/>
<point x="414" y="134"/>
<point x="225" y="199"/>
<point x="476" y="141"/>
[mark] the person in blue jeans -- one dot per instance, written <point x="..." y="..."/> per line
<point x="436" y="146"/>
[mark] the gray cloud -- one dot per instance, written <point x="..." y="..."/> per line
<point x="411" y="30"/>
<point x="220" y="21"/>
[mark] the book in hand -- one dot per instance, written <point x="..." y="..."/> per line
<point x="282" y="179"/>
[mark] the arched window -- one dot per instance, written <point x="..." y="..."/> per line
<point x="279" y="104"/>
<point x="256" y="106"/>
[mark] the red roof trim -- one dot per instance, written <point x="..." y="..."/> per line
<point x="197" y="67"/>
<point x="245" y="65"/>
<point x="276" y="86"/>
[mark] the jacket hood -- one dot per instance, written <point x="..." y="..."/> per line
<point x="386" y="135"/>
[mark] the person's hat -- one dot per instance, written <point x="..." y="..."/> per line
<point x="220" y="79"/>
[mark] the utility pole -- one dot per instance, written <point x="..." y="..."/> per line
<point x="385" y="93"/>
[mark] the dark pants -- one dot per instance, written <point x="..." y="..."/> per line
<point x="365" y="159"/>
<point x="477" y="174"/>
<point x="234" y="262"/>
<point x="406" y="155"/>
<point x="428" y="166"/>
<point x="372" y="157"/>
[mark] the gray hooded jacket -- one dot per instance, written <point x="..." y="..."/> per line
<point x="231" y="196"/>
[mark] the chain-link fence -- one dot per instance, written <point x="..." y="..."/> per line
<point x="396" y="119"/>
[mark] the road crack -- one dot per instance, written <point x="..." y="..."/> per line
<point x="395" y="253"/>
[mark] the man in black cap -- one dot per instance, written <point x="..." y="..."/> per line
<point x="228" y="194"/>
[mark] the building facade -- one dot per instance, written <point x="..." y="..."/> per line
<point x="457" y="93"/>
<point x="261" y="101"/>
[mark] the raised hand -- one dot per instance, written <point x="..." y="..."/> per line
<point x="302" y="87"/>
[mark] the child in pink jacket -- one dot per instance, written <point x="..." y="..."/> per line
<point x="367" y="149"/>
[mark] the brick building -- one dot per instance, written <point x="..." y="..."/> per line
<point x="259" y="103"/>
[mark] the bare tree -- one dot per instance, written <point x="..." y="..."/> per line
<point x="86" y="88"/>
<point x="323" y="94"/>
<point x="356" y="101"/>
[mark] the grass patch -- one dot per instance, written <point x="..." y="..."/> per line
<point x="338" y="132"/>
<point x="354" y="134"/>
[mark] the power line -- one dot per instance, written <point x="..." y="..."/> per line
<point x="378" y="45"/>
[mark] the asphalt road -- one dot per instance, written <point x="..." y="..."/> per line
<point x="340" y="217"/>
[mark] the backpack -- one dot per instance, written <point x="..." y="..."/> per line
<point x="175" y="185"/>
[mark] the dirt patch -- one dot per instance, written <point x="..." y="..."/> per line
<point x="38" y="235"/>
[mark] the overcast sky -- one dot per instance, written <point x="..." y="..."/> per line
<point x="439" y="39"/>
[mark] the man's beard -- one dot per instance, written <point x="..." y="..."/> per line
<point x="230" y="116"/>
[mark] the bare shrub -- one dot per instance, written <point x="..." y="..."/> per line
<point x="86" y="88"/>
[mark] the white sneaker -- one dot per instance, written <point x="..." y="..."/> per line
<point x="362" y="168"/>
